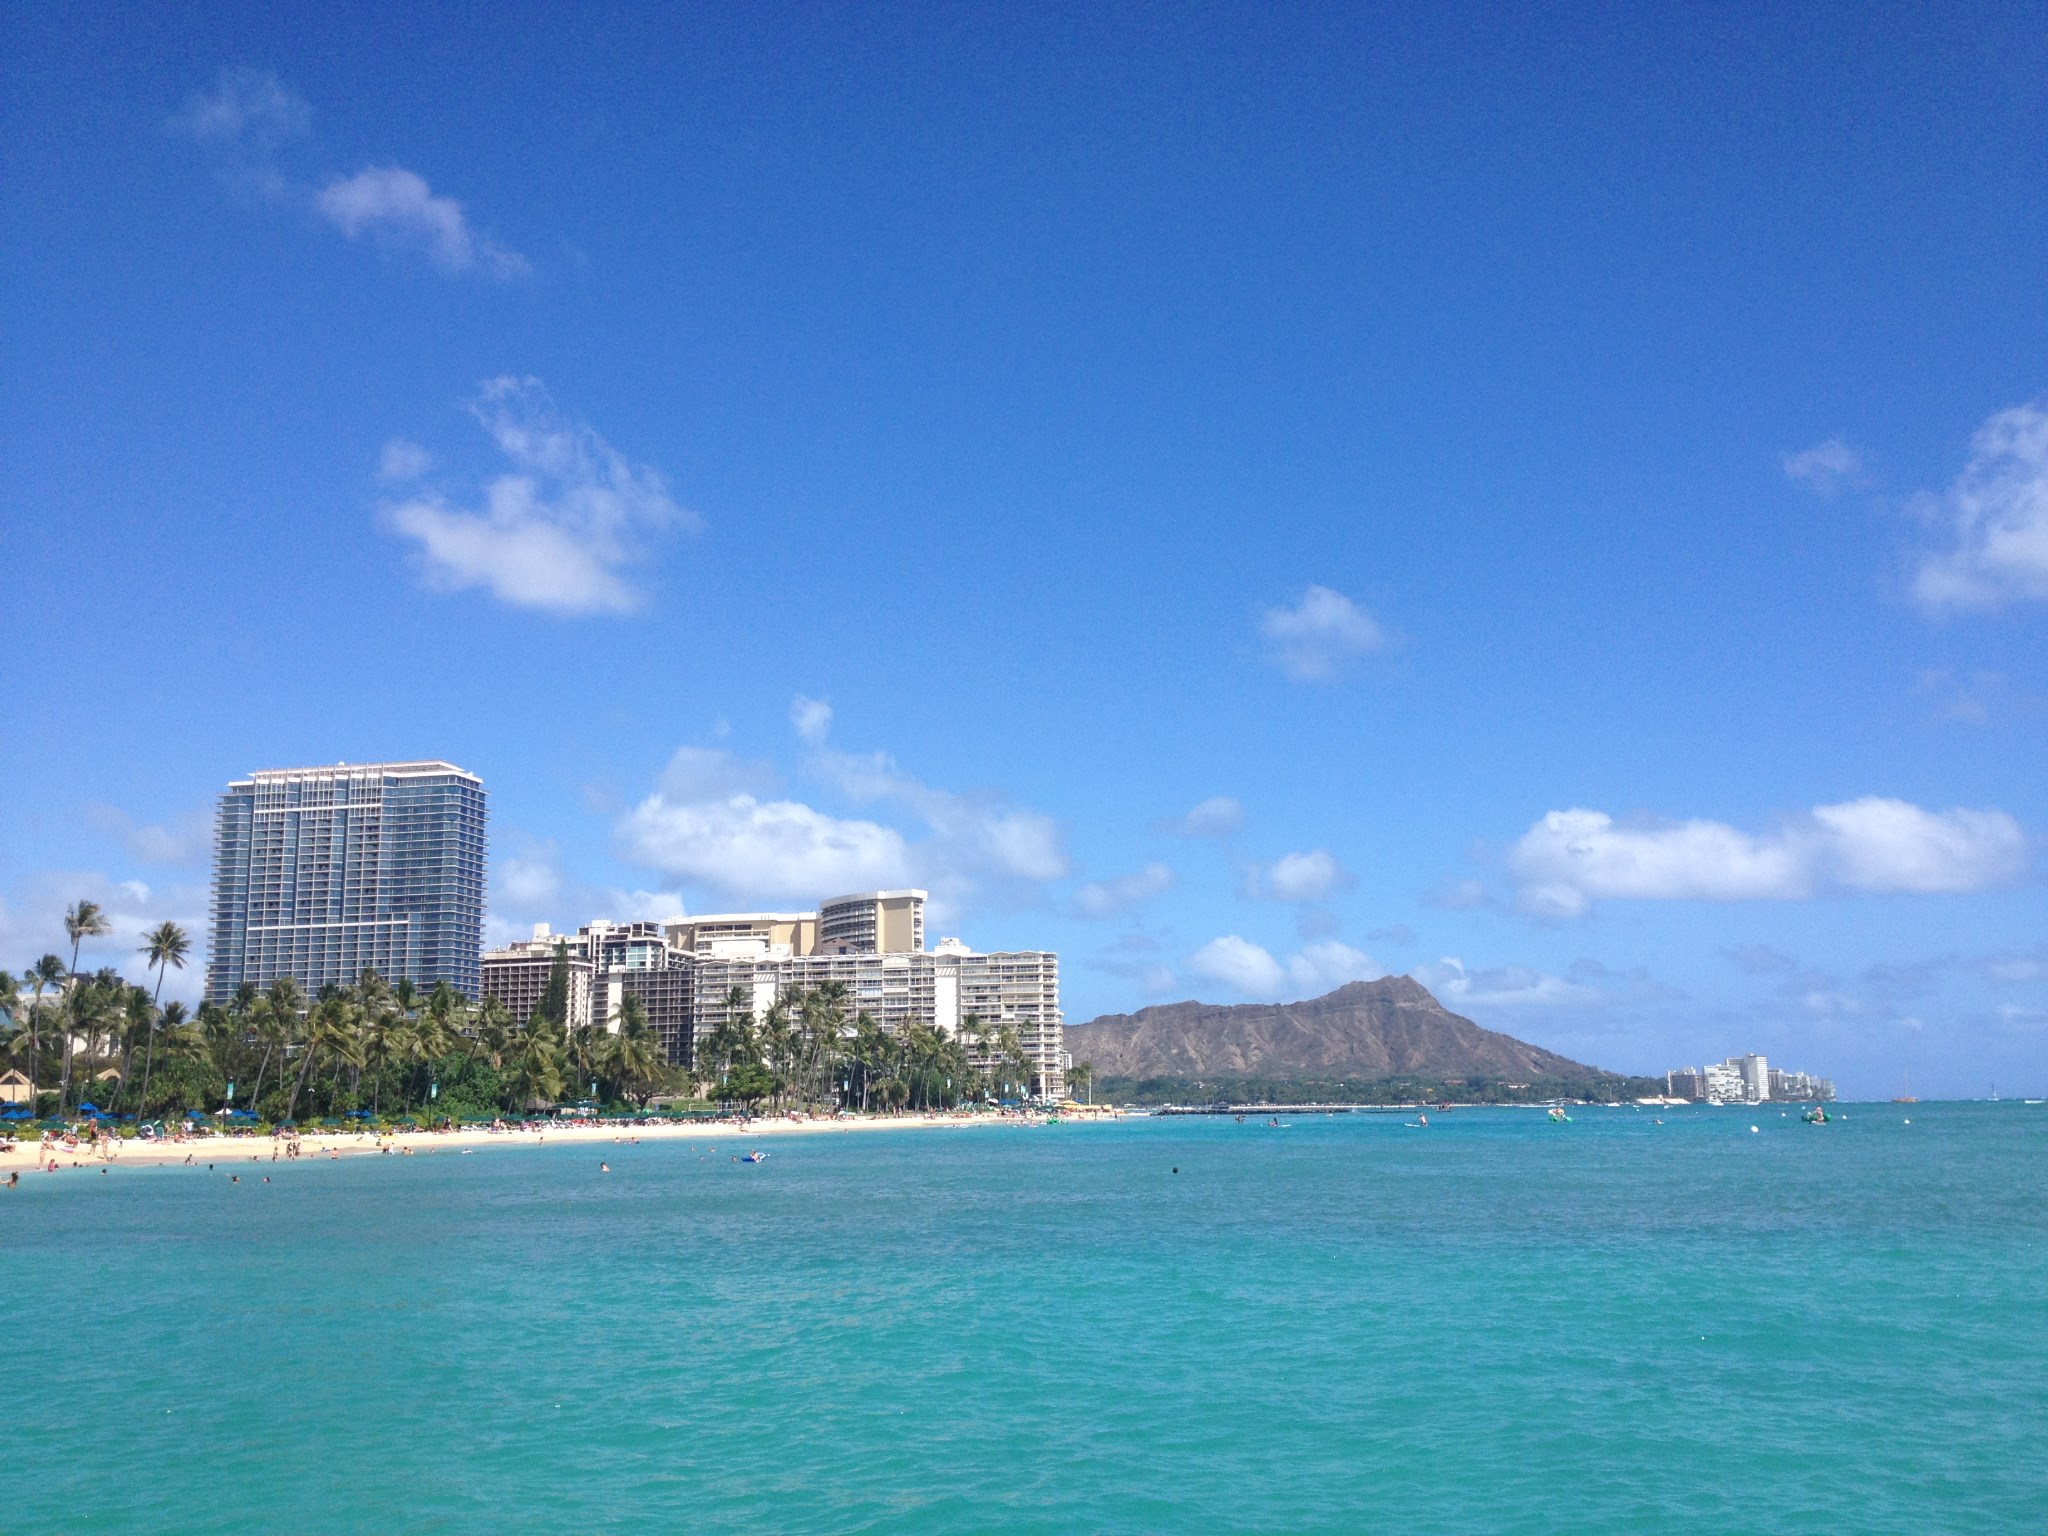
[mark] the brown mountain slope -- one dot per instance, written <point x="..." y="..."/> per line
<point x="1368" y="1029"/>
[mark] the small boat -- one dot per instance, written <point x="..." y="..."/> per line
<point x="756" y="1156"/>
<point x="1557" y="1113"/>
<point x="1815" y="1115"/>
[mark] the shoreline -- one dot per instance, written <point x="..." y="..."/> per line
<point x="30" y="1156"/>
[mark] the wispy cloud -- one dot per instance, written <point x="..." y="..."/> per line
<point x="974" y="837"/>
<point x="1505" y="986"/>
<point x="245" y="120"/>
<point x="1119" y="893"/>
<point x="1825" y="467"/>
<point x="557" y="532"/>
<point x="1251" y="970"/>
<point x="1998" y="509"/>
<point x="184" y="843"/>
<point x="812" y="719"/>
<point x="1570" y="859"/>
<point x="249" y="117"/>
<point x="402" y="460"/>
<point x="1217" y="816"/>
<point x="397" y="206"/>
<point x="1309" y="876"/>
<point x="1316" y="638"/>
<point x="720" y="821"/>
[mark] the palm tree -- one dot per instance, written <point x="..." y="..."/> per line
<point x="183" y="1041"/>
<point x="778" y="1040"/>
<point x="167" y="1021"/>
<point x="82" y="920"/>
<point x="163" y="946"/>
<point x="1083" y="1077"/>
<point x="633" y="1055"/>
<point x="326" y="1029"/>
<point x="825" y="1017"/>
<point x="135" y="1028"/>
<point x="46" y="972"/>
<point x="277" y="1016"/>
<point x="536" y="1064"/>
<point x="492" y="1032"/>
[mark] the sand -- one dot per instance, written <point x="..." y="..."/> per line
<point x="327" y="1146"/>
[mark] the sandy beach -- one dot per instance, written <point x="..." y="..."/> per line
<point x="31" y="1155"/>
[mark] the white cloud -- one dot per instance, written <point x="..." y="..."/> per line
<point x="1240" y="965"/>
<point x="1106" y="898"/>
<point x="1570" y="859"/>
<point x="1319" y="635"/>
<point x="1217" y="816"/>
<point x="812" y="719"/>
<point x="718" y="820"/>
<point x="1507" y="986"/>
<point x="396" y="205"/>
<point x="1824" y="467"/>
<point x="248" y="113"/>
<point x="643" y="906"/>
<point x="555" y="533"/>
<point x="1250" y="970"/>
<point x="748" y="848"/>
<point x="1458" y="896"/>
<point x="1889" y="845"/>
<point x="1999" y="509"/>
<point x="402" y="460"/>
<point x="971" y="835"/>
<point x="527" y="880"/>
<point x="186" y="843"/>
<point x="1325" y="966"/>
<point x="2018" y="967"/>
<point x="1307" y="876"/>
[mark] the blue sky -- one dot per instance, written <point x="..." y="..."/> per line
<point x="1248" y="497"/>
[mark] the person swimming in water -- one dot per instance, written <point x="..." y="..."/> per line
<point x="604" y="1167"/>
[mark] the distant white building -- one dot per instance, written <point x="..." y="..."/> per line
<point x="1749" y="1079"/>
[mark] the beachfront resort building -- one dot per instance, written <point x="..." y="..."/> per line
<point x="686" y="971"/>
<point x="322" y="873"/>
<point x="1749" y="1079"/>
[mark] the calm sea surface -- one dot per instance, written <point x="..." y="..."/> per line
<point x="1495" y="1324"/>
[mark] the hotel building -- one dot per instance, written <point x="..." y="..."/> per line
<point x="684" y="971"/>
<point x="322" y="873"/>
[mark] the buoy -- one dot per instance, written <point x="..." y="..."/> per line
<point x="1752" y="1130"/>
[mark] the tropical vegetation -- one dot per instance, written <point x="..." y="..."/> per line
<point x="97" y="1043"/>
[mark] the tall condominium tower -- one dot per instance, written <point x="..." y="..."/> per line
<point x="320" y="873"/>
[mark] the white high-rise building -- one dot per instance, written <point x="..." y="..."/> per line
<point x="1756" y="1076"/>
<point x="685" y="970"/>
<point x="322" y="873"/>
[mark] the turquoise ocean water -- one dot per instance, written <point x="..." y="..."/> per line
<point x="1495" y="1324"/>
